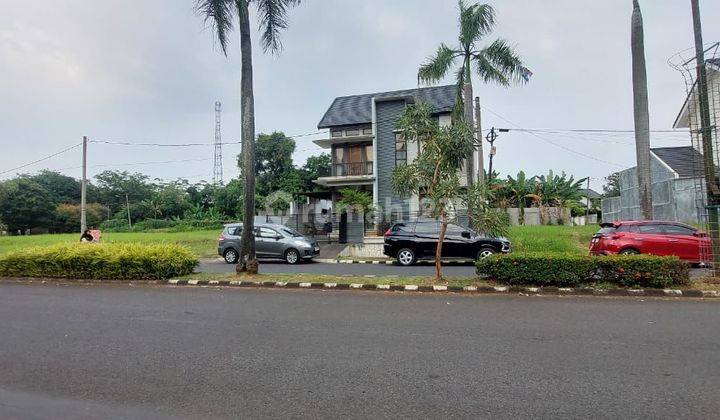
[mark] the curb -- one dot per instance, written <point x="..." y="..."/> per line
<point x="525" y="291"/>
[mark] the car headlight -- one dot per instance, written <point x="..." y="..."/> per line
<point x="302" y="244"/>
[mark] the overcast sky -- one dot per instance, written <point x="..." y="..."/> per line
<point x="149" y="70"/>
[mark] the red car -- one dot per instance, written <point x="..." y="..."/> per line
<point x="652" y="237"/>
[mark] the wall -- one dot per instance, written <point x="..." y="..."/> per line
<point x="387" y="113"/>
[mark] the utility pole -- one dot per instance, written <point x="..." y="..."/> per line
<point x="217" y="164"/>
<point x="587" y="210"/>
<point x="127" y="204"/>
<point x="478" y="121"/>
<point x="713" y="192"/>
<point x="83" y="188"/>
<point x="491" y="137"/>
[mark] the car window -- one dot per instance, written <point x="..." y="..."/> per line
<point x="650" y="229"/>
<point x="234" y="230"/>
<point x="291" y="232"/>
<point x="606" y="230"/>
<point x="628" y="228"/>
<point x="455" y="230"/>
<point x="678" y="230"/>
<point x="427" y="227"/>
<point x="264" y="232"/>
<point x="400" y="227"/>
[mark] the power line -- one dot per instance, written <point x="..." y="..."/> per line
<point x="585" y="155"/>
<point x="42" y="159"/>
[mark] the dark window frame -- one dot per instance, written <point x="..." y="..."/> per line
<point x="400" y="158"/>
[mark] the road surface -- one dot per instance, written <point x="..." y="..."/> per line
<point x="154" y="352"/>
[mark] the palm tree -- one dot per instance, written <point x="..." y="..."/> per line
<point x="640" y="108"/>
<point x="521" y="189"/>
<point x="273" y="18"/>
<point x="496" y="62"/>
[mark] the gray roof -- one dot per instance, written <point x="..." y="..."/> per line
<point x="589" y="193"/>
<point x="357" y="109"/>
<point x="685" y="160"/>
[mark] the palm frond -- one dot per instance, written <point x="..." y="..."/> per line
<point x="438" y="65"/>
<point x="273" y="19"/>
<point x="459" y="109"/>
<point x="499" y="63"/>
<point x="476" y="21"/>
<point x="219" y="14"/>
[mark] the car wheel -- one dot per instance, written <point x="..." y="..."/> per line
<point x="292" y="256"/>
<point x="484" y="253"/>
<point x="406" y="257"/>
<point x="231" y="256"/>
<point x="629" y="251"/>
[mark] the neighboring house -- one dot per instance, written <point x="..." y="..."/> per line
<point x="590" y="198"/>
<point x="365" y="146"/>
<point x="689" y="115"/>
<point x="675" y="173"/>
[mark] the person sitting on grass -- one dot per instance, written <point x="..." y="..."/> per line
<point x="86" y="236"/>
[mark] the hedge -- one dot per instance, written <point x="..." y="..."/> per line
<point x="111" y="261"/>
<point x="573" y="270"/>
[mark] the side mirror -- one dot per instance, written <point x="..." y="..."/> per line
<point x="465" y="234"/>
<point x="278" y="237"/>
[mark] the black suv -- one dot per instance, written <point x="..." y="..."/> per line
<point x="409" y="241"/>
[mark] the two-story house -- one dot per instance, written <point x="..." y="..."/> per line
<point x="365" y="145"/>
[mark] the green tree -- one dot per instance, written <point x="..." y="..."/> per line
<point x="612" y="185"/>
<point x="435" y="170"/>
<point x="62" y="188"/>
<point x="553" y="190"/>
<point x="273" y="19"/>
<point x="113" y="185"/>
<point x="228" y="199"/>
<point x="521" y="189"/>
<point x="496" y="62"/>
<point x="25" y="204"/>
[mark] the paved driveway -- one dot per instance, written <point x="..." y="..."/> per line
<point x="148" y="352"/>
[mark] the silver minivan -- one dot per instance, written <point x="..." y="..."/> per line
<point x="271" y="241"/>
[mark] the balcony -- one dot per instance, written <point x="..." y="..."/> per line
<point x="345" y="174"/>
<point x="352" y="169"/>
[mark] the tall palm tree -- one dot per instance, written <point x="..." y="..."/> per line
<point x="273" y="18"/>
<point x="496" y="62"/>
<point x="640" y="108"/>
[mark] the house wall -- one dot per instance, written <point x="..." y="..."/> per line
<point x="673" y="198"/>
<point x="387" y="113"/>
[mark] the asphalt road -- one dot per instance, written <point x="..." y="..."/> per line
<point x="153" y="352"/>
<point x="271" y="266"/>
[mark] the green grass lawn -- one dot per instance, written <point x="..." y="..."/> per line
<point x="561" y="239"/>
<point x="204" y="242"/>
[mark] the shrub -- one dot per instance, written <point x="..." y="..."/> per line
<point x="112" y="261"/>
<point x="573" y="270"/>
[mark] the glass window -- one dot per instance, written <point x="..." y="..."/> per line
<point x="678" y="230"/>
<point x="650" y="229"/>
<point x="352" y="132"/>
<point x="235" y="230"/>
<point x="336" y="133"/>
<point x="265" y="232"/>
<point x="429" y="227"/>
<point x="628" y="228"/>
<point x="400" y="149"/>
<point x="291" y="232"/>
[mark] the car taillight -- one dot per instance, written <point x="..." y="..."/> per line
<point x="221" y="238"/>
<point x="388" y="232"/>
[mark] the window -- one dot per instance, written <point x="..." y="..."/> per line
<point x="367" y="131"/>
<point x="678" y="230"/>
<point x="352" y="159"/>
<point x="336" y="133"/>
<point x="651" y="229"/>
<point x="291" y="232"/>
<point x="427" y="227"/>
<point x="264" y="232"/>
<point x="400" y="149"/>
<point x="352" y="132"/>
<point x="235" y="231"/>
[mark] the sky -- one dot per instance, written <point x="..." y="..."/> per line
<point x="150" y="71"/>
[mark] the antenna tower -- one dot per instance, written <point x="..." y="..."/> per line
<point x="217" y="166"/>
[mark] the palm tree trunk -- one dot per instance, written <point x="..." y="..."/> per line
<point x="642" y="118"/>
<point x="478" y="123"/>
<point x="247" y="261"/>
<point x="468" y="116"/>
